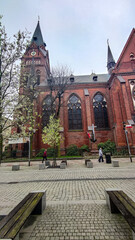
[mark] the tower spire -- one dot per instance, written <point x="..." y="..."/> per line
<point x="37" y="36"/>
<point x="110" y="59"/>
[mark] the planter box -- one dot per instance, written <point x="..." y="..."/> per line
<point x="89" y="164"/>
<point x="62" y="165"/>
<point x="15" y="167"/>
<point x="115" y="163"/>
<point x="41" y="166"/>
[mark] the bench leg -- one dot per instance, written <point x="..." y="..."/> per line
<point x="111" y="205"/>
<point x="17" y="237"/>
<point x="133" y="235"/>
<point x="40" y="206"/>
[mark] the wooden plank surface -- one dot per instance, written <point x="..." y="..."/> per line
<point x="125" y="205"/>
<point x="16" y="221"/>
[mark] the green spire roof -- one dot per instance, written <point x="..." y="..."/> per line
<point x="110" y="59"/>
<point x="37" y="36"/>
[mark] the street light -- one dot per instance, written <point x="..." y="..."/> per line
<point x="34" y="130"/>
<point x="126" y="132"/>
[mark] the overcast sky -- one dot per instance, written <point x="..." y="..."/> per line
<point x="75" y="31"/>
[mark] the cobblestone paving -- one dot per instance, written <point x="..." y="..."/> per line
<point x="76" y="207"/>
<point x="80" y="221"/>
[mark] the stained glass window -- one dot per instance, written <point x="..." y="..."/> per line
<point x="74" y="113"/>
<point x="47" y="110"/>
<point x="100" y="111"/>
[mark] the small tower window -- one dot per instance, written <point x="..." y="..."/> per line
<point x="132" y="57"/>
<point x="95" y="78"/>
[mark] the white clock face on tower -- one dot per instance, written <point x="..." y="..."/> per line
<point x="33" y="53"/>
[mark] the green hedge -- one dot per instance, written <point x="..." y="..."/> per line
<point x="40" y="153"/>
<point x="108" y="146"/>
<point x="84" y="148"/>
<point x="72" y="150"/>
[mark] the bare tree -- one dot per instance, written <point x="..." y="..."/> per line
<point x="58" y="82"/>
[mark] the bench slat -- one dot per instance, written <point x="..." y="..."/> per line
<point x="15" y="223"/>
<point x="129" y="200"/>
<point x="23" y="218"/>
<point x="12" y="213"/>
<point x="126" y="201"/>
<point x="15" y="216"/>
<point x="124" y="206"/>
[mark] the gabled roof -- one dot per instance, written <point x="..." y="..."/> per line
<point x="37" y="36"/>
<point x="93" y="78"/>
<point x="125" y="47"/>
<point x="87" y="79"/>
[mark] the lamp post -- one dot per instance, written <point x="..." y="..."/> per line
<point x="29" y="150"/>
<point x="33" y="132"/>
<point x="0" y="104"/>
<point x="126" y="134"/>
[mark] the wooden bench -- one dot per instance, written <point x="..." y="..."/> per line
<point x="34" y="203"/>
<point x="118" y="201"/>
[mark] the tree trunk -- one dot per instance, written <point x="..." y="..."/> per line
<point x="1" y="143"/>
<point x="54" y="164"/>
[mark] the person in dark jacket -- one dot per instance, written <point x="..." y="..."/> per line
<point x="44" y="156"/>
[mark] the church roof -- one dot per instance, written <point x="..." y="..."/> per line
<point x="86" y="79"/>
<point x="93" y="78"/>
<point x="37" y="36"/>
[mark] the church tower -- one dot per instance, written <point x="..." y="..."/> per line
<point x="110" y="60"/>
<point x="36" y="57"/>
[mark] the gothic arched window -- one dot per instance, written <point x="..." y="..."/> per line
<point x="100" y="111"/>
<point x="38" y="77"/>
<point x="47" y="110"/>
<point x="74" y="113"/>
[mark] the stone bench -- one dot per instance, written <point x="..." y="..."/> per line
<point x="62" y="165"/>
<point x="41" y="166"/>
<point x="64" y="161"/>
<point x="34" y="203"/>
<point x="89" y="164"/>
<point x="118" y="201"/>
<point x="115" y="163"/>
<point x="47" y="163"/>
<point x="15" y="167"/>
<point x="87" y="160"/>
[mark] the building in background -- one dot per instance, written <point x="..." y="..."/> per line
<point x="101" y="100"/>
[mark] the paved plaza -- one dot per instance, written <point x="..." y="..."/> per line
<point x="76" y="207"/>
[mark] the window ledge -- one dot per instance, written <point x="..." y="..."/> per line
<point x="102" y="129"/>
<point x="75" y="130"/>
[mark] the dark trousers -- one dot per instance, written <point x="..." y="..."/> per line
<point x="44" y="158"/>
<point x="101" y="159"/>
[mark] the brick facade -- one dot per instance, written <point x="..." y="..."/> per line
<point x="115" y="88"/>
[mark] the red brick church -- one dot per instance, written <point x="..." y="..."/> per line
<point x="101" y="100"/>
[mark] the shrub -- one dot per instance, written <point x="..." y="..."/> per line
<point x="14" y="153"/>
<point x="51" y="152"/>
<point x="108" y="146"/>
<point x="72" y="150"/>
<point x="123" y="152"/>
<point x="84" y="148"/>
<point x="40" y="153"/>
